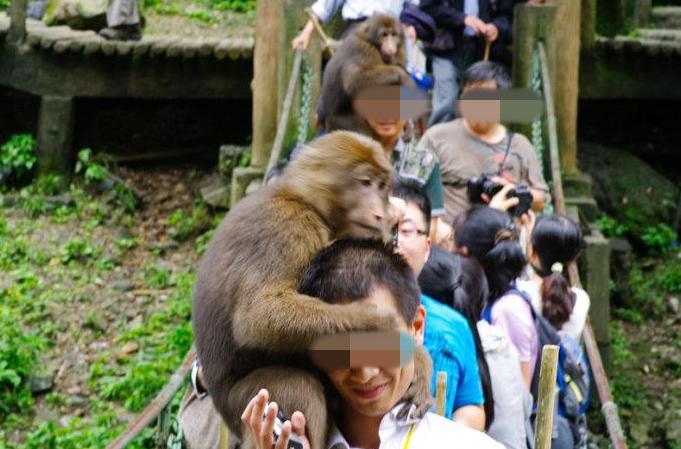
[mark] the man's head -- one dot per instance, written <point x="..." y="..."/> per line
<point x="368" y="271"/>
<point x="483" y="75"/>
<point x="413" y="228"/>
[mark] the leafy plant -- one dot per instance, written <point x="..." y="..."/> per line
<point x="91" y="170"/>
<point x="158" y="277"/>
<point x="659" y="238"/>
<point x="18" y="357"/>
<point x="609" y="227"/>
<point x="184" y="226"/>
<point x="17" y="159"/>
<point x="234" y="5"/>
<point x="75" y="249"/>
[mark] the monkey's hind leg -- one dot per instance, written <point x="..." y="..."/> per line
<point x="292" y="389"/>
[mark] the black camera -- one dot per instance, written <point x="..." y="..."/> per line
<point x="484" y="184"/>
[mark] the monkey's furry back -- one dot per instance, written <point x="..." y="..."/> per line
<point x="264" y="244"/>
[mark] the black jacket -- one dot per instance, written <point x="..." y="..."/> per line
<point x="448" y="15"/>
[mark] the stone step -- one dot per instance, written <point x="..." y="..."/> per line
<point x="660" y="34"/>
<point x="666" y="16"/>
<point x="651" y="47"/>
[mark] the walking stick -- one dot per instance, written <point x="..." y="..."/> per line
<point x="547" y="394"/>
<point x="488" y="44"/>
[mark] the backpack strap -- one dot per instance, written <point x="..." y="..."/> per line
<point x="487" y="313"/>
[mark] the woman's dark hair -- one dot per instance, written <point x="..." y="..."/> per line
<point x="556" y="240"/>
<point x="350" y="270"/>
<point x="491" y="238"/>
<point x="460" y="283"/>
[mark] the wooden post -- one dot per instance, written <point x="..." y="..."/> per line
<point x="566" y="80"/>
<point x="17" y="28"/>
<point x="595" y="273"/>
<point x="277" y="23"/>
<point x="293" y="20"/>
<point x="55" y="134"/>
<point x="265" y="80"/>
<point x="441" y="393"/>
<point x="588" y="32"/>
<point x="530" y="24"/>
<point x="546" y="397"/>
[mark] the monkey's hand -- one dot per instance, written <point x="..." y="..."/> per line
<point x="368" y="317"/>
<point x="418" y="393"/>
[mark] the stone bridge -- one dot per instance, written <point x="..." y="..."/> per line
<point x="60" y="65"/>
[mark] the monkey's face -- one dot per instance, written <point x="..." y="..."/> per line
<point x="386" y="34"/>
<point x="367" y="200"/>
<point x="374" y="391"/>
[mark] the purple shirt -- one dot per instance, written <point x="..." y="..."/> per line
<point x="512" y="313"/>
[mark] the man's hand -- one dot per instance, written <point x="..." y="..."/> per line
<point x="303" y="39"/>
<point x="500" y="200"/>
<point x="410" y="32"/>
<point x="261" y="428"/>
<point x="490" y="32"/>
<point x="476" y="24"/>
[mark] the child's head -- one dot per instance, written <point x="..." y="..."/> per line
<point x="370" y="272"/>
<point x="489" y="236"/>
<point x="556" y="240"/>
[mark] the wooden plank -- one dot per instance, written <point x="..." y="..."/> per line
<point x="142" y="47"/>
<point x="190" y="49"/>
<point x="222" y="49"/>
<point x="158" y="49"/>
<point x="108" y="47"/>
<point x="207" y="47"/>
<point x="174" y="50"/>
<point x="124" y="48"/>
<point x="92" y="46"/>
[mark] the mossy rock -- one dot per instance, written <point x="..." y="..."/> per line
<point x="627" y="188"/>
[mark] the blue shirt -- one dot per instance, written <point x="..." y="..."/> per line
<point x="449" y="340"/>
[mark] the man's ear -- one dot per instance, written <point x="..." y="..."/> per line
<point x="418" y="325"/>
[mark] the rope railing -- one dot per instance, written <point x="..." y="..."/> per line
<point x="608" y="407"/>
<point x="159" y="407"/>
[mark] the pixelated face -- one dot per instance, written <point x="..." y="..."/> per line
<point x="371" y="390"/>
<point x="473" y="110"/>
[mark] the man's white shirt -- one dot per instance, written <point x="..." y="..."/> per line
<point x="358" y="9"/>
<point x="431" y="432"/>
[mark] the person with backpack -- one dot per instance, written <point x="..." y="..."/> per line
<point x="460" y="283"/>
<point x="555" y="242"/>
<point x="490" y="237"/>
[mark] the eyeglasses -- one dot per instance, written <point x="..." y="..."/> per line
<point x="408" y="233"/>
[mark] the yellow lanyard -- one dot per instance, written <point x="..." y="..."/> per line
<point x="411" y="431"/>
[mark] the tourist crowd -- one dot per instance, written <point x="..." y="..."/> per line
<point x="489" y="264"/>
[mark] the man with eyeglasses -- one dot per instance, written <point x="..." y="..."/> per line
<point x="448" y="337"/>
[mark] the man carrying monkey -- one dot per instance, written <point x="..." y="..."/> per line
<point x="369" y="397"/>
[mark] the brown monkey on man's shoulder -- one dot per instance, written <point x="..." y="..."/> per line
<point x="252" y="328"/>
<point x="371" y="56"/>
